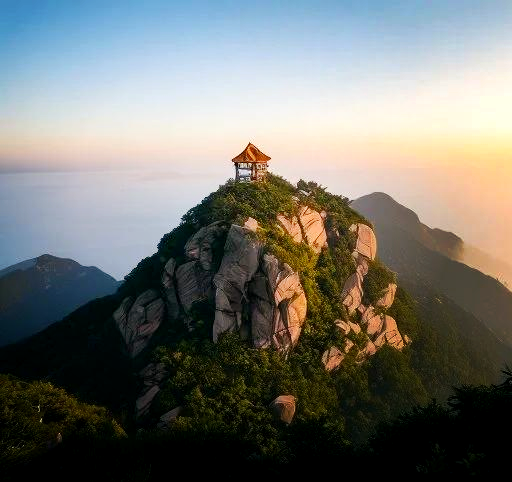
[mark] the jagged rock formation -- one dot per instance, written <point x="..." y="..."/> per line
<point x="268" y="290"/>
<point x="379" y="327"/>
<point x="239" y="265"/>
<point x="169" y="286"/>
<point x="308" y="227"/>
<point x="137" y="321"/>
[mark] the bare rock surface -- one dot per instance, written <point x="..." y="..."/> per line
<point x="168" y="284"/>
<point x="366" y="244"/>
<point x="168" y="418"/>
<point x="352" y="292"/>
<point x="143" y="403"/>
<point x="313" y="227"/>
<point x="251" y="224"/>
<point x="194" y="284"/>
<point x="291" y="226"/>
<point x="153" y="374"/>
<point x="343" y="326"/>
<point x="239" y="265"/>
<point x="283" y="408"/>
<point x="143" y="318"/>
<point x="308" y="226"/>
<point x="389" y="334"/>
<point x="200" y="245"/>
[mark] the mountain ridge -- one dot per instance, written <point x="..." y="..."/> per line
<point x="41" y="290"/>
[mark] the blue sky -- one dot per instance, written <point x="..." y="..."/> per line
<point x="89" y="84"/>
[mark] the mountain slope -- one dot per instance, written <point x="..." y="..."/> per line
<point x="264" y="318"/>
<point x="416" y="263"/>
<point x="39" y="291"/>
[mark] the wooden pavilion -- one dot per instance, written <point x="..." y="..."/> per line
<point x="251" y="164"/>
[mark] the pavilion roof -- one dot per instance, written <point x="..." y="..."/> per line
<point x="251" y="154"/>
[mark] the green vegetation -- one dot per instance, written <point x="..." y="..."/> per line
<point x="36" y="417"/>
<point x="225" y="389"/>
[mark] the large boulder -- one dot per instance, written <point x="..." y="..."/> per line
<point x="262" y="311"/>
<point x="239" y="265"/>
<point x="291" y="226"/>
<point x="194" y="284"/>
<point x="389" y="334"/>
<point x="289" y="301"/>
<point x="352" y="292"/>
<point x="366" y="244"/>
<point x="278" y="305"/>
<point x="313" y="227"/>
<point x="202" y="244"/>
<point x="283" y="408"/>
<point x="308" y="226"/>
<point x="343" y="326"/>
<point x="369" y="350"/>
<point x="143" y="319"/>
<point x="169" y="286"/>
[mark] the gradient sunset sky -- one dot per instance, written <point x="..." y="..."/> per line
<point x="319" y="86"/>
<point x="97" y="84"/>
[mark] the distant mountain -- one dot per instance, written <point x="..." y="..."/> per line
<point x="39" y="291"/>
<point x="384" y="210"/>
<point x="422" y="255"/>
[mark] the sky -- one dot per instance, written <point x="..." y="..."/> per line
<point x="420" y="90"/>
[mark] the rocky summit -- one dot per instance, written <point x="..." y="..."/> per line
<point x="235" y="267"/>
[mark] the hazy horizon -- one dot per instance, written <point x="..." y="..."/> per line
<point x="113" y="219"/>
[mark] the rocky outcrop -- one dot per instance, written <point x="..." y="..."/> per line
<point x="201" y="245"/>
<point x="153" y="374"/>
<point x="278" y="305"/>
<point x="389" y="334"/>
<point x="366" y="243"/>
<point x="379" y="328"/>
<point x="352" y="292"/>
<point x="312" y="224"/>
<point x="291" y="226"/>
<point x="308" y="226"/>
<point x="343" y="326"/>
<point x="332" y="358"/>
<point x="194" y="284"/>
<point x="138" y="321"/>
<point x="251" y="224"/>
<point x="169" y="288"/>
<point x="283" y="408"/>
<point x="239" y="265"/>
